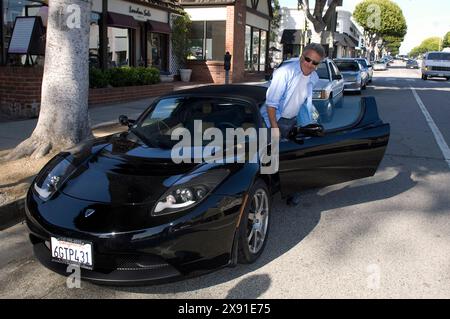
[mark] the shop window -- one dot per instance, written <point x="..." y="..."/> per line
<point x="118" y="47"/>
<point x="157" y="50"/>
<point x="13" y="9"/>
<point x="248" y="48"/>
<point x="196" y="40"/>
<point x="207" y="40"/>
<point x="262" y="51"/>
<point x="94" y="41"/>
<point x="255" y="49"/>
<point x="215" y="40"/>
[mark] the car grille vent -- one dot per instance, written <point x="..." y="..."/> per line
<point x="440" y="68"/>
<point x="136" y="262"/>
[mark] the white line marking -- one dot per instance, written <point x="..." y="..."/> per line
<point x="437" y="134"/>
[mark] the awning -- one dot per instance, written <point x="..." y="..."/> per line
<point x="159" y="27"/>
<point x="121" y="21"/>
<point x="291" y="36"/>
<point x="339" y="39"/>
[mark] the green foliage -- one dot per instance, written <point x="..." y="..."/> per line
<point x="123" y="76"/>
<point x="446" y="41"/>
<point x="180" y="37"/>
<point x="98" y="78"/>
<point x="430" y="44"/>
<point x="276" y="20"/>
<point x="381" y="18"/>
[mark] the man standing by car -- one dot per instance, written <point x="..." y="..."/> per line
<point x="289" y="95"/>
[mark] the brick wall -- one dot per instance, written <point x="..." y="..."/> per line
<point x="20" y="91"/>
<point x="123" y="94"/>
<point x="235" y="38"/>
<point x="207" y="71"/>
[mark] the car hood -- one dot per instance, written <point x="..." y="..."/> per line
<point x="120" y="169"/>
<point x="322" y="84"/>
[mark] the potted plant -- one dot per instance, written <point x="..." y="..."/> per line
<point x="180" y="44"/>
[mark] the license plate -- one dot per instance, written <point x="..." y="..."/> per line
<point x="70" y="251"/>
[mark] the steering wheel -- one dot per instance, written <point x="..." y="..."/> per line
<point x="159" y="126"/>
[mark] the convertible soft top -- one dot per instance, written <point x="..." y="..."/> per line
<point x="255" y="92"/>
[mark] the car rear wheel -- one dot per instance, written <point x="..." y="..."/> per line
<point x="254" y="226"/>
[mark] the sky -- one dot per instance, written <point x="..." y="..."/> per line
<point x="424" y="18"/>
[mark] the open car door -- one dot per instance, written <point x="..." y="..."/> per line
<point x="353" y="146"/>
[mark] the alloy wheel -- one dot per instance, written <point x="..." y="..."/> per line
<point x="258" y="220"/>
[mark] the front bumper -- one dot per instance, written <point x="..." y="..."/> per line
<point x="192" y="244"/>
<point x="442" y="74"/>
<point x="352" y="86"/>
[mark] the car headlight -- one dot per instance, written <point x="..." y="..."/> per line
<point x="320" y="95"/>
<point x="189" y="191"/>
<point x="53" y="176"/>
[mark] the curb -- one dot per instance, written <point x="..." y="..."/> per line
<point x="12" y="213"/>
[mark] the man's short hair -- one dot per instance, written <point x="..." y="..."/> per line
<point x="315" y="47"/>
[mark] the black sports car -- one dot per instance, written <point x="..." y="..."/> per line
<point x="120" y="208"/>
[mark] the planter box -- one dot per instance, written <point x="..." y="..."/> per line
<point x="128" y="93"/>
<point x="166" y="78"/>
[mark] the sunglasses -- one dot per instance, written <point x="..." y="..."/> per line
<point x="309" y="60"/>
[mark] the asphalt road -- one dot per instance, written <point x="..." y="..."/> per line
<point x="382" y="237"/>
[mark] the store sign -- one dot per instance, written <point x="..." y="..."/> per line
<point x="139" y="11"/>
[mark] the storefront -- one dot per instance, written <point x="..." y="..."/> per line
<point x="240" y="27"/>
<point x="123" y="33"/>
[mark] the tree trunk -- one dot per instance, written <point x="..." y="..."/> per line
<point x="63" y="118"/>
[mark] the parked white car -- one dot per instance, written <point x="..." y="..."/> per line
<point x="436" y="64"/>
<point x="329" y="90"/>
<point x="380" y="66"/>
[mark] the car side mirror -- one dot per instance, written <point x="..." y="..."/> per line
<point x="338" y="77"/>
<point x="123" y="120"/>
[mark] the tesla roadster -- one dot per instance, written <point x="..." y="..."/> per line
<point x="123" y="211"/>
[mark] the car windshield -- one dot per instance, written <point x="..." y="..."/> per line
<point x="347" y="66"/>
<point x="439" y="56"/>
<point x="322" y="71"/>
<point x="363" y="62"/>
<point x="157" y="126"/>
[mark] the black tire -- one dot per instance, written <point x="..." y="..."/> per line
<point x="247" y="225"/>
<point x="424" y="77"/>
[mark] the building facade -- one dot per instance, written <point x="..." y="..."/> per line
<point x="123" y="33"/>
<point x="240" y="27"/>
<point x="341" y="38"/>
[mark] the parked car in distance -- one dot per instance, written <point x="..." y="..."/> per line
<point x="328" y="92"/>
<point x="380" y="66"/>
<point x="436" y="64"/>
<point x="367" y="66"/>
<point x="355" y="76"/>
<point x="412" y="64"/>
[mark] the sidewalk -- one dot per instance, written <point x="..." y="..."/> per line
<point x="14" y="132"/>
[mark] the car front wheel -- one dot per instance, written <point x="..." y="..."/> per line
<point x="424" y="77"/>
<point x="254" y="226"/>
